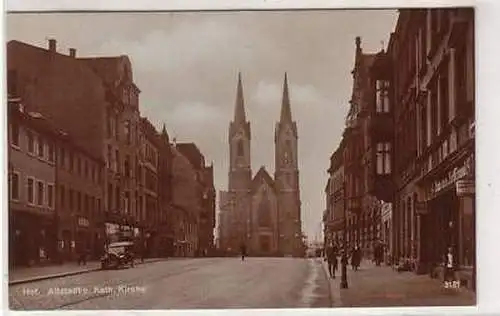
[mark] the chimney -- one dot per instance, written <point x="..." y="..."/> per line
<point x="52" y="45"/>
<point x="72" y="52"/>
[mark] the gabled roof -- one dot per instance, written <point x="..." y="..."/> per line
<point x="262" y="175"/>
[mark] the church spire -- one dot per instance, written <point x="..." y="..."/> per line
<point x="286" y="112"/>
<point x="239" y="110"/>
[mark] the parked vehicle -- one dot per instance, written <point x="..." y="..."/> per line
<point x="117" y="255"/>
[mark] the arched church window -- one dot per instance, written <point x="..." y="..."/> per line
<point x="239" y="148"/>
<point x="264" y="212"/>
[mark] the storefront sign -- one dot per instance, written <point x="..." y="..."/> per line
<point x="465" y="187"/>
<point x="83" y="222"/>
<point x="453" y="176"/>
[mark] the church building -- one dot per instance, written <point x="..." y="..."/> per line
<point x="260" y="211"/>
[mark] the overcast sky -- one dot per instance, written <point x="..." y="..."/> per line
<point x="186" y="65"/>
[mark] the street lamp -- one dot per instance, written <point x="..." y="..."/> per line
<point x="343" y="282"/>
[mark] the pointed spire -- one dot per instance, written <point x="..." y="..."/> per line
<point x="239" y="110"/>
<point x="286" y="112"/>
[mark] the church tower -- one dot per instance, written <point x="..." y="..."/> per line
<point x="287" y="178"/>
<point x="240" y="172"/>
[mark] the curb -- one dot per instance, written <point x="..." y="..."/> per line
<point x="65" y="274"/>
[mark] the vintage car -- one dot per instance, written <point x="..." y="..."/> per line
<point x="117" y="255"/>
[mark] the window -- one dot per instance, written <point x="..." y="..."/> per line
<point x="78" y="202"/>
<point x="383" y="157"/>
<point x="117" y="197"/>
<point x="50" y="195"/>
<point x="50" y="146"/>
<point x="41" y="147"/>
<point x="423" y="120"/>
<point x="31" y="142"/>
<point x="71" y="161"/>
<point x="62" y="194"/>
<point x="71" y="199"/>
<point x="127" y="203"/>
<point x="126" y="128"/>
<point x="86" y="169"/>
<point x="98" y="205"/>
<point x="434" y="111"/>
<point x="40" y="193"/>
<point x="116" y="127"/>
<point x="240" y="148"/>
<point x="265" y="212"/>
<point x="14" y="136"/>
<point x="117" y="161"/>
<point x="86" y="204"/>
<point x="110" y="196"/>
<point x="79" y="166"/>
<point x="127" y="166"/>
<point x="444" y="100"/>
<point x="14" y="186"/>
<point x="108" y="157"/>
<point x="109" y="123"/>
<point x="382" y="96"/>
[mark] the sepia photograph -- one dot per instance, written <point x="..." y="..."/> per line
<point x="241" y="159"/>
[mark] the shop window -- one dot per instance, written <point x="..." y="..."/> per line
<point x="14" y="134"/>
<point x="40" y="193"/>
<point x="14" y="186"/>
<point x="382" y="96"/>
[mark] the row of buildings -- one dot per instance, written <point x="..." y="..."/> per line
<point x="404" y="172"/>
<point x="85" y="168"/>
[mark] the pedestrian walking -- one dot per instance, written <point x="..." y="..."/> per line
<point x="356" y="258"/>
<point x="82" y="257"/>
<point x="243" y="250"/>
<point x="331" y="257"/>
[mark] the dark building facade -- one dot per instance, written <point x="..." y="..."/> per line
<point x="409" y="141"/>
<point x="433" y="51"/>
<point x="96" y="101"/>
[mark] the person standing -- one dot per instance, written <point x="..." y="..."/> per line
<point x="331" y="257"/>
<point x="356" y="258"/>
<point x="243" y="250"/>
<point x="449" y="265"/>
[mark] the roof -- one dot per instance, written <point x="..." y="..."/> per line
<point x="262" y="175"/>
<point x="192" y="153"/>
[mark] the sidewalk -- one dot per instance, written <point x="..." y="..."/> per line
<point x="31" y="274"/>
<point x="373" y="286"/>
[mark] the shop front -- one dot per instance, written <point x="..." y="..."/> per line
<point x="447" y="217"/>
<point x="32" y="239"/>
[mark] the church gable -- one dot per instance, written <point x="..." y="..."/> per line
<point x="262" y="178"/>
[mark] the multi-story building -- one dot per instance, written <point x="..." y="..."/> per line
<point x="205" y="191"/>
<point x="334" y="215"/>
<point x="96" y="101"/>
<point x="148" y="210"/>
<point x="79" y="200"/>
<point x="32" y="181"/>
<point x="186" y="204"/>
<point x="166" y="224"/>
<point x="432" y="53"/>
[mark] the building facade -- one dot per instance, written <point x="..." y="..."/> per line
<point x="333" y="221"/>
<point x="32" y="182"/>
<point x="263" y="213"/>
<point x="101" y="113"/>
<point x="434" y="87"/>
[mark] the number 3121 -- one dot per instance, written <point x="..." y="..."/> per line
<point x="452" y="284"/>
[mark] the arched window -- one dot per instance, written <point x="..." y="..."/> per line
<point x="264" y="212"/>
<point x="240" y="148"/>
